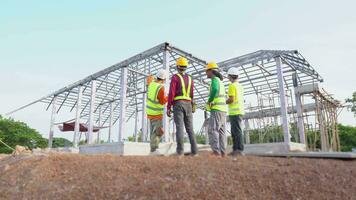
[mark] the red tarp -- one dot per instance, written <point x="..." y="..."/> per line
<point x="70" y="127"/>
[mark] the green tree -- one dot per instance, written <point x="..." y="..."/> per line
<point x="18" y="133"/>
<point x="352" y="101"/>
<point x="61" y="142"/>
<point x="347" y="135"/>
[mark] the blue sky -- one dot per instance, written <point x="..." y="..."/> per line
<point x="45" y="45"/>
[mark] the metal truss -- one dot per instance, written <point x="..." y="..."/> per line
<point x="259" y="76"/>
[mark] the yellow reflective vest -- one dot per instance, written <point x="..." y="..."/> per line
<point x="185" y="90"/>
<point x="153" y="106"/>
<point x="237" y="106"/>
<point x="219" y="102"/>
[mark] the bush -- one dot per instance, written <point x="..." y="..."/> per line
<point x="18" y="133"/>
<point x="347" y="135"/>
<point x="61" y="142"/>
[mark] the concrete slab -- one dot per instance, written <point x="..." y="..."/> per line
<point x="133" y="148"/>
<point x="331" y="155"/>
<point x="274" y="148"/>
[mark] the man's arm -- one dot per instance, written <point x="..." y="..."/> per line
<point x="161" y="97"/>
<point x="213" y="90"/>
<point x="231" y="93"/>
<point x="172" y="92"/>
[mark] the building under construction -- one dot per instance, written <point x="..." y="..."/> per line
<point x="286" y="108"/>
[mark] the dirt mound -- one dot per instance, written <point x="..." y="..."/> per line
<point x="71" y="176"/>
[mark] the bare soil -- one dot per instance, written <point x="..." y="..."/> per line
<point x="73" y="176"/>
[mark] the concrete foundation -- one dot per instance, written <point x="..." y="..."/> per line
<point x="274" y="148"/>
<point x="143" y="149"/>
<point x="134" y="148"/>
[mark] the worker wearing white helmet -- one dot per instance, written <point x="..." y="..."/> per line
<point x="235" y="102"/>
<point x="156" y="99"/>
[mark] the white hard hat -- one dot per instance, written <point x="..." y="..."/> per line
<point x="161" y="74"/>
<point x="233" y="71"/>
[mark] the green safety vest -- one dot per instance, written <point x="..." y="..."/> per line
<point x="237" y="107"/>
<point x="219" y="102"/>
<point x="153" y="106"/>
<point x="185" y="91"/>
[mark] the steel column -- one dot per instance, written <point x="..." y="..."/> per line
<point x="111" y="120"/>
<point x="206" y="128"/>
<point x="53" y="118"/>
<point x="247" y="131"/>
<point x="136" y="125"/>
<point x="300" y="122"/>
<point x="99" y="124"/>
<point x="91" y="112"/>
<point x="77" y="117"/>
<point x="282" y="97"/>
<point x="123" y="93"/>
<point x="166" y="86"/>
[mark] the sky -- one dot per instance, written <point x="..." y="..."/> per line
<point x="45" y="45"/>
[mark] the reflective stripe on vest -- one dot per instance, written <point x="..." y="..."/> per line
<point x="219" y="102"/>
<point x="237" y="107"/>
<point x="153" y="106"/>
<point x="185" y="91"/>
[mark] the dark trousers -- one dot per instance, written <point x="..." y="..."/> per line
<point x="236" y="132"/>
<point x="183" y="118"/>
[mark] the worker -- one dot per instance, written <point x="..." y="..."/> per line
<point x="156" y="99"/>
<point x="236" y="111"/>
<point x="181" y="98"/>
<point x="217" y="106"/>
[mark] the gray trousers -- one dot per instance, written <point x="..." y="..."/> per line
<point x="155" y="139"/>
<point x="236" y="132"/>
<point x="217" y="131"/>
<point x="183" y="118"/>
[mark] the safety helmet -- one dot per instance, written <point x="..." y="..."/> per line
<point x="233" y="71"/>
<point x="212" y="65"/>
<point x="161" y="74"/>
<point x="182" y="62"/>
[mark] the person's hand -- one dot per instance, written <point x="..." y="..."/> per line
<point x="169" y="113"/>
<point x="194" y="107"/>
<point x="210" y="104"/>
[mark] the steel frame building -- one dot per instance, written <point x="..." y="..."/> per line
<point x="118" y="93"/>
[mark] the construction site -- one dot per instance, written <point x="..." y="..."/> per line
<point x="292" y="145"/>
<point x="286" y="108"/>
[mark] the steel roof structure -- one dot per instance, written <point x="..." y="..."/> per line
<point x="122" y="87"/>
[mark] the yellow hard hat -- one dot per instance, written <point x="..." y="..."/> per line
<point x="182" y="62"/>
<point x="212" y="65"/>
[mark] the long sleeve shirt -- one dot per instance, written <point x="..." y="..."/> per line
<point x="175" y="89"/>
<point x="214" y="89"/>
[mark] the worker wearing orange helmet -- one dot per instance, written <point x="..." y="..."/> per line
<point x="181" y="99"/>
<point x="217" y="106"/>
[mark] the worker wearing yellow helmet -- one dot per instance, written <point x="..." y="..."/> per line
<point x="181" y="99"/>
<point x="236" y="111"/>
<point x="217" y="107"/>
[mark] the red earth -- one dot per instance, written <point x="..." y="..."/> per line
<point x="75" y="176"/>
